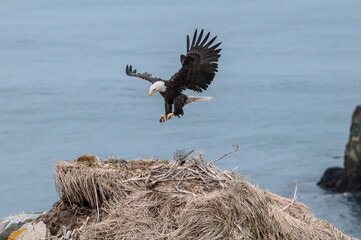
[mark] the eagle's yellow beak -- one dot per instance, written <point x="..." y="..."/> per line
<point x="151" y="92"/>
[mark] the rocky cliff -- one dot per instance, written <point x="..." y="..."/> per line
<point x="347" y="179"/>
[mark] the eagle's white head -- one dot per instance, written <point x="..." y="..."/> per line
<point x="158" y="86"/>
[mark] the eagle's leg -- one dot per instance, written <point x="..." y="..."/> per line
<point x="179" y="102"/>
<point x="169" y="115"/>
<point x="162" y="118"/>
<point x="168" y="112"/>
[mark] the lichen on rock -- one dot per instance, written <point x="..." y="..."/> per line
<point x="34" y="231"/>
<point x="15" y="222"/>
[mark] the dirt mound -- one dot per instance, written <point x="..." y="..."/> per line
<point x="187" y="198"/>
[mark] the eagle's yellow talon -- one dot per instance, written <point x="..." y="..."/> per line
<point x="162" y="118"/>
<point x="169" y="115"/>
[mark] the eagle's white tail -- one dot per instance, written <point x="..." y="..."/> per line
<point x="192" y="99"/>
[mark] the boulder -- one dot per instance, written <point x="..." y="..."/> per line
<point x="33" y="231"/>
<point x="333" y="178"/>
<point x="347" y="179"/>
<point x="15" y="222"/>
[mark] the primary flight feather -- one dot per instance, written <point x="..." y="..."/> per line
<point x="199" y="66"/>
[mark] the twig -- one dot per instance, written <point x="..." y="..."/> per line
<point x="158" y="166"/>
<point x="202" y="178"/>
<point x="152" y="184"/>
<point x="241" y="231"/>
<point x="148" y="178"/>
<point x="134" y="179"/>
<point x="294" y="197"/>
<point x="172" y="169"/>
<point x="96" y="199"/>
<point x="178" y="179"/>
<point x="200" y="186"/>
<point x="183" y="158"/>
<point x="224" y="173"/>
<point x="184" y="178"/>
<point x="235" y="150"/>
<point x="181" y="190"/>
<point x="154" y="169"/>
<point x="77" y="231"/>
<point x="178" y="173"/>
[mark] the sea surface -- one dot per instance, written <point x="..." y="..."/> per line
<point x="289" y="79"/>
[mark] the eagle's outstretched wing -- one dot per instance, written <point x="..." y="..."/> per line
<point x="147" y="76"/>
<point x="199" y="66"/>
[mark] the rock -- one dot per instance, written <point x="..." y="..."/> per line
<point x="15" y="222"/>
<point x="332" y="178"/>
<point x="35" y="231"/>
<point x="353" y="147"/>
<point x="347" y="179"/>
<point x="16" y="233"/>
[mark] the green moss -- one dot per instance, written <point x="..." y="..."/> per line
<point x="165" y="162"/>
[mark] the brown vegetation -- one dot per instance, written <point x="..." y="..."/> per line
<point x="183" y="199"/>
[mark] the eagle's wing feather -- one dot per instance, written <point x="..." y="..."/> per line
<point x="147" y="76"/>
<point x="199" y="66"/>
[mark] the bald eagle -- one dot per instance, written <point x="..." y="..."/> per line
<point x="199" y="67"/>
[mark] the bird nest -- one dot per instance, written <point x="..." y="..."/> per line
<point x="186" y="198"/>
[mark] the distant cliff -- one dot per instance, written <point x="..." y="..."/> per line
<point x="347" y="179"/>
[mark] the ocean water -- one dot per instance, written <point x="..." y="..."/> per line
<point x="289" y="78"/>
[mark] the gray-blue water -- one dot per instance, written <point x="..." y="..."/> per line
<point x="289" y="78"/>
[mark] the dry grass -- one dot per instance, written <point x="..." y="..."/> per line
<point x="183" y="199"/>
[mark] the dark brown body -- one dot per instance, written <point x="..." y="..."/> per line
<point x="178" y="102"/>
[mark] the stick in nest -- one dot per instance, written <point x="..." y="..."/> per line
<point x="76" y="232"/>
<point x="235" y="150"/>
<point x="180" y="161"/>
<point x="294" y="197"/>
<point x="181" y="190"/>
<point x="180" y="156"/>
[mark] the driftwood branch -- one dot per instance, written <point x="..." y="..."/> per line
<point x="294" y="197"/>
<point x="235" y="150"/>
